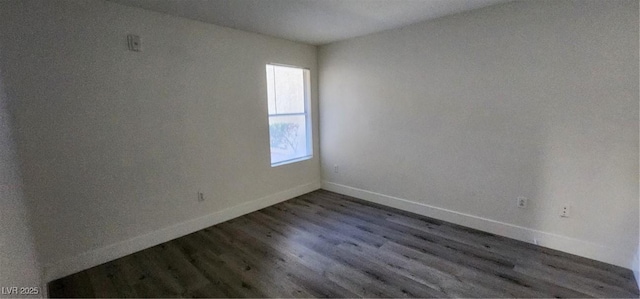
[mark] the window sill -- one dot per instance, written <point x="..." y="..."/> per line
<point x="291" y="161"/>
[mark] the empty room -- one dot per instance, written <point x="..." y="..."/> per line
<point x="319" y="148"/>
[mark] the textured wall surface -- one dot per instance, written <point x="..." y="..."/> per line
<point x="468" y="112"/>
<point x="116" y="144"/>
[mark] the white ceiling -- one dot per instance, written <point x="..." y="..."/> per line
<point x="311" y="21"/>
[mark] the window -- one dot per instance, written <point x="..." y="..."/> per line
<point x="289" y="118"/>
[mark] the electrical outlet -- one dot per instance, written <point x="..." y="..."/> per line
<point x="200" y="196"/>
<point x="134" y="43"/>
<point x="565" y="211"/>
<point x="521" y="202"/>
<point x="336" y="168"/>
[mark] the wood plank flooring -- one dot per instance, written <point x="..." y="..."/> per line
<point x="324" y="244"/>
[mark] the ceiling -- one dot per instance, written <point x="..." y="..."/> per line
<point x="313" y="22"/>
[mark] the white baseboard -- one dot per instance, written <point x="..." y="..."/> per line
<point x="570" y="245"/>
<point x="111" y="252"/>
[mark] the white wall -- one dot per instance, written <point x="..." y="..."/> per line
<point x="18" y="259"/>
<point x="458" y="116"/>
<point x="115" y="144"/>
<point x="636" y="266"/>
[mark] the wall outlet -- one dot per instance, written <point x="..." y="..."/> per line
<point x="336" y="168"/>
<point x="200" y="196"/>
<point x="521" y="202"/>
<point x="565" y="211"/>
<point x="133" y="42"/>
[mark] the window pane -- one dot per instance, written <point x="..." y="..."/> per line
<point x="288" y="137"/>
<point x="289" y="90"/>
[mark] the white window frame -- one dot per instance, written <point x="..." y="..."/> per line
<point x="307" y="114"/>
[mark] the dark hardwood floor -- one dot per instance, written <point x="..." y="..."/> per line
<point x="323" y="244"/>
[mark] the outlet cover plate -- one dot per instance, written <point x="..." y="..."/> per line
<point x="522" y="202"/>
<point x="565" y="211"/>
